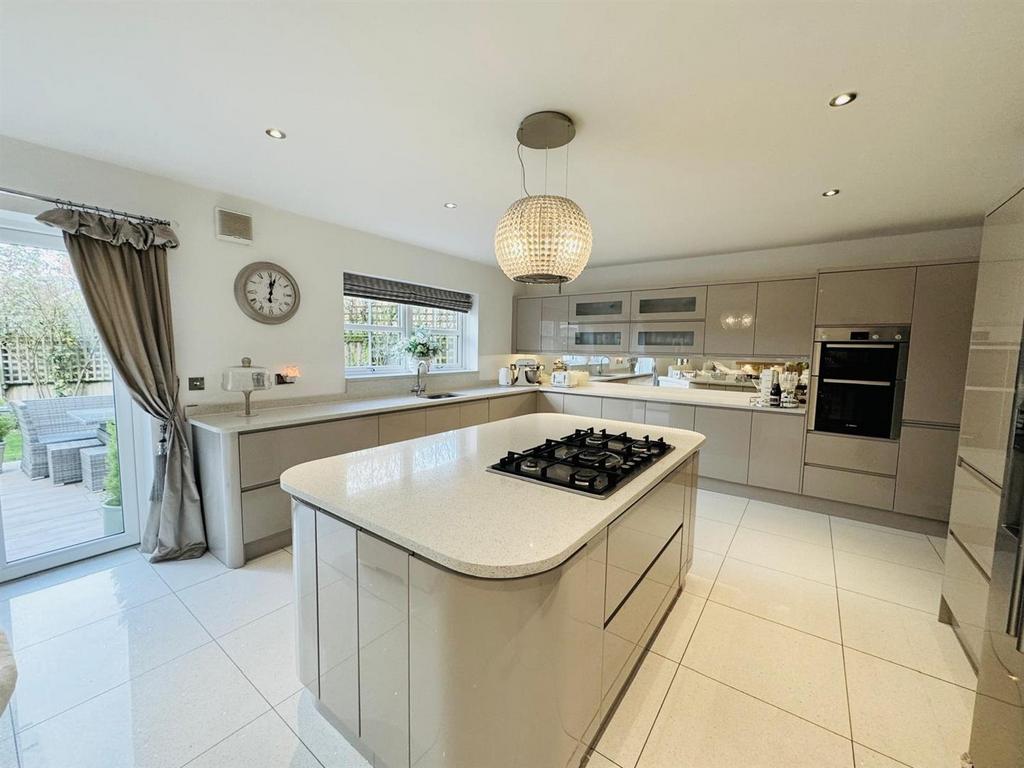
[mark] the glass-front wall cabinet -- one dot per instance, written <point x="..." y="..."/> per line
<point x="609" y="337"/>
<point x="599" y="308"/>
<point x="667" y="338"/>
<point x="670" y="304"/>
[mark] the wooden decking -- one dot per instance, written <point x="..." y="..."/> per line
<point x="39" y="516"/>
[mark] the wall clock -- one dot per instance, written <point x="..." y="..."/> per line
<point x="267" y="292"/>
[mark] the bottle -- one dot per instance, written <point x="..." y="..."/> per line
<point x="775" y="398"/>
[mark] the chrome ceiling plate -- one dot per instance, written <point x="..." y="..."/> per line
<point x="546" y="130"/>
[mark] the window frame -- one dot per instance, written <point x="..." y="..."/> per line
<point x="405" y="329"/>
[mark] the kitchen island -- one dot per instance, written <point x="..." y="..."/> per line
<point x="451" y="617"/>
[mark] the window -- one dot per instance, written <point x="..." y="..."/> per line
<point x="376" y="333"/>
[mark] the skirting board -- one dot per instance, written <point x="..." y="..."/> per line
<point x="828" y="507"/>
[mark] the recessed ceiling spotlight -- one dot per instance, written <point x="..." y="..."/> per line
<point x="830" y="193"/>
<point x="451" y="205"/>
<point x="275" y="133"/>
<point x="842" y="99"/>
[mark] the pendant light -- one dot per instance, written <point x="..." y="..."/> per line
<point x="543" y="238"/>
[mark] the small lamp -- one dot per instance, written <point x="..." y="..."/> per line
<point x="246" y="378"/>
<point x="288" y="375"/>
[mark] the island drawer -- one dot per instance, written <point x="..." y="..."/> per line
<point x="265" y="511"/>
<point x="263" y="456"/>
<point x="639" y="534"/>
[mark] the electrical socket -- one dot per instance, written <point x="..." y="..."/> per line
<point x="196" y="383"/>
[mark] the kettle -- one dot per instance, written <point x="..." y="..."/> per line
<point x="507" y="376"/>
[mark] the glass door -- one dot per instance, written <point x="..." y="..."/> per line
<point x="67" y="473"/>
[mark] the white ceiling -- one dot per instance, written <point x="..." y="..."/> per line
<point x="702" y="127"/>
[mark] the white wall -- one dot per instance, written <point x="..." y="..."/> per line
<point x="793" y="261"/>
<point x="210" y="330"/>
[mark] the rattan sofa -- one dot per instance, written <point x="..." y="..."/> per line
<point x="44" y="422"/>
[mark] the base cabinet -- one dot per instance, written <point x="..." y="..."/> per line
<point x="776" y="451"/>
<point x="924" y="476"/>
<point x="582" y="405"/>
<point x="513" y="405"/>
<point x="725" y="455"/>
<point x="402" y="425"/>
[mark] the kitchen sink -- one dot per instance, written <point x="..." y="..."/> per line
<point x="438" y="395"/>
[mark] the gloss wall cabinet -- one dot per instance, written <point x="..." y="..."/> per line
<point x="729" y="328"/>
<point x="667" y="338"/>
<point x="866" y="297"/>
<point x="784" y="320"/>
<point x="528" y="324"/>
<point x="554" y="323"/>
<point x="599" y="308"/>
<point x="670" y="304"/>
<point x="608" y="338"/>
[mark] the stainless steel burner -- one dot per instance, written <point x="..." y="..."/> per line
<point x="591" y="457"/>
<point x="584" y="477"/>
<point x="594" y="440"/>
<point x="530" y="465"/>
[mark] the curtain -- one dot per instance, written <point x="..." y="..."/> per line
<point x="121" y="266"/>
<point x="381" y="288"/>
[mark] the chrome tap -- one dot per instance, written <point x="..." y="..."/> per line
<point x="420" y="389"/>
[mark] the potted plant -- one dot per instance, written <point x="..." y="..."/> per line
<point x="6" y="427"/>
<point x="421" y="348"/>
<point x="113" y="516"/>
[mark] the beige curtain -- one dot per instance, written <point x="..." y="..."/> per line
<point x="121" y="266"/>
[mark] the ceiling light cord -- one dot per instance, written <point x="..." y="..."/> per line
<point x="519" y="151"/>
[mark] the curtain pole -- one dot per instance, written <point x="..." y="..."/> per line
<point x="84" y="206"/>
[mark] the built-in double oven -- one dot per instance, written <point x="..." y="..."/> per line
<point x="857" y="381"/>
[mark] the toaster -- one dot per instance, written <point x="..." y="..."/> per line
<point x="567" y="378"/>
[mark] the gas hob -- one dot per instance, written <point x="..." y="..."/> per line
<point x="593" y="463"/>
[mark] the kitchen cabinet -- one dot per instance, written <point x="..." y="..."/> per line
<point x="476" y="412"/>
<point x="608" y="337"/>
<point x="622" y="409"/>
<point x="554" y="322"/>
<point x="729" y="329"/>
<point x="866" y="297"/>
<point x="582" y="405"/>
<point x="442" y="418"/>
<point x="669" y="415"/>
<point x="669" y="304"/>
<point x="725" y="455"/>
<point x="599" y="308"/>
<point x="510" y="406"/>
<point x="337" y="617"/>
<point x="550" y="402"/>
<point x="265" y="511"/>
<point x="965" y="592"/>
<point x="862" y="454"/>
<point x="940" y="340"/>
<point x="924" y="477"/>
<point x="784" y="321"/>
<point x="852" y="487"/>
<point x="974" y="514"/>
<point x="383" y="616"/>
<point x="263" y="456"/>
<point x="402" y="425"/>
<point x="667" y="338"/>
<point x="528" y="324"/>
<point x="776" y="451"/>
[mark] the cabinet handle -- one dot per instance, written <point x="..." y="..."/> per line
<point x="859" y="383"/>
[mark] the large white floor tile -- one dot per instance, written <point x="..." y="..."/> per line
<point x="901" y="584"/>
<point x="675" y="633"/>
<point x="319" y="736"/>
<point x="800" y="603"/>
<point x="877" y="527"/>
<point x="66" y="670"/>
<point x="868" y="758"/>
<point x="226" y="602"/>
<point x="907" y="636"/>
<point x="883" y="545"/>
<point x="180" y="574"/>
<point x="705" y="724"/>
<point x="37" y="616"/>
<point x="266" y="741"/>
<point x="68" y="572"/>
<point x="627" y="731"/>
<point x="788" y="521"/>
<point x="713" y="536"/>
<point x="161" y="719"/>
<point x="939" y="544"/>
<point x="703" y="572"/>
<point x="720" y="506"/>
<point x="795" y="671"/>
<point x="781" y="553"/>
<point x="265" y="652"/>
<point x="8" y="754"/>
<point x="597" y="760"/>
<point x="911" y="717"/>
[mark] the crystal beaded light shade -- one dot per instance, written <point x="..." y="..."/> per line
<point x="543" y="239"/>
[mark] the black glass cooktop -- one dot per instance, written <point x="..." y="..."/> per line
<point x="591" y="462"/>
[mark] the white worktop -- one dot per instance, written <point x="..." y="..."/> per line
<point x="269" y="417"/>
<point x="706" y="397"/>
<point x="434" y="496"/>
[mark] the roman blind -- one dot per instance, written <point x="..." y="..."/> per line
<point x="382" y="289"/>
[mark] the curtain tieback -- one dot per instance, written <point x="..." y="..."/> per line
<point x="160" y="464"/>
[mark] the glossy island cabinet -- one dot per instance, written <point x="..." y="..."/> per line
<point x="451" y="617"/>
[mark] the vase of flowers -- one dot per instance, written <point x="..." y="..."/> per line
<point x="422" y="347"/>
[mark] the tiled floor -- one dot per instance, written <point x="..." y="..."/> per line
<point x="800" y="641"/>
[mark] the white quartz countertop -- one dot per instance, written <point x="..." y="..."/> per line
<point x="708" y="397"/>
<point x="434" y="496"/>
<point x="269" y="417"/>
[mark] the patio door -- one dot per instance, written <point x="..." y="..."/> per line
<point x="68" y="462"/>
